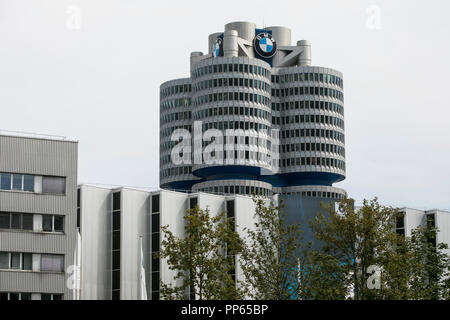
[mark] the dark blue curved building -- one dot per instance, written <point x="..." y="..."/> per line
<point x="254" y="117"/>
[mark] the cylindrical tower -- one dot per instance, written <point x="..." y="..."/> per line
<point x="232" y="95"/>
<point x="175" y="113"/>
<point x="253" y="83"/>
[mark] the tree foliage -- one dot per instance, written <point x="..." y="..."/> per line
<point x="269" y="258"/>
<point x="203" y="259"/>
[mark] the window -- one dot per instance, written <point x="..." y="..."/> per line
<point x="52" y="223"/>
<point x="47" y="223"/>
<point x="54" y="185"/>
<point x="5" y="181"/>
<point x="4" y="260"/>
<point x="27" y="261"/>
<point x="4" y="220"/>
<point x="58" y="224"/>
<point x="52" y="263"/>
<point x="17" y="182"/>
<point x="28" y="183"/>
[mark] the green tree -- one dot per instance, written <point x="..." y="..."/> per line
<point x="354" y="241"/>
<point x="204" y="259"/>
<point x="419" y="270"/>
<point x="269" y="259"/>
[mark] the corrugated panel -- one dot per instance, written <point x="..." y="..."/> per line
<point x="39" y="157"/>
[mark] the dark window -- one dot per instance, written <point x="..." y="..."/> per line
<point x="230" y="208"/>
<point x="155" y="281"/>
<point x="57" y="297"/>
<point x="47" y="223"/>
<point x="193" y="202"/>
<point x="116" y="240"/>
<point x="3" y="296"/>
<point x="116" y="295"/>
<point x="155" y="203"/>
<point x="116" y="279"/>
<point x="155" y="223"/>
<point x="4" y="260"/>
<point x="27" y="222"/>
<point x="14" y="296"/>
<point x="25" y="296"/>
<point x="155" y="264"/>
<point x="116" y="220"/>
<point x="4" y="220"/>
<point x="59" y="224"/>
<point x="116" y="260"/>
<point x="27" y="261"/>
<point x="15" y="260"/>
<point x="116" y="201"/>
<point x="401" y="221"/>
<point x="155" y="242"/>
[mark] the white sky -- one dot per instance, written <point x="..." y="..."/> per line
<point x="100" y="84"/>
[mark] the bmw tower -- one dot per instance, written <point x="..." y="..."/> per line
<point x="286" y="119"/>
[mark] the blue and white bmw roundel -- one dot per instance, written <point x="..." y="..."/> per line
<point x="265" y="45"/>
<point x="217" y="50"/>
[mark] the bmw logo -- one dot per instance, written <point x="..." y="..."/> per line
<point x="217" y="49"/>
<point x="265" y="45"/>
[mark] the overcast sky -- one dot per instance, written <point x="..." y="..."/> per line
<point x="96" y="80"/>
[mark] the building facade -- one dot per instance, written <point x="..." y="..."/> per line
<point x="411" y="219"/>
<point x="113" y="220"/>
<point x="254" y="117"/>
<point x="38" y="181"/>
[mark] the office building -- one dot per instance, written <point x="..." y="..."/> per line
<point x="114" y="219"/>
<point x="38" y="183"/>
<point x="410" y="219"/>
<point x="285" y="118"/>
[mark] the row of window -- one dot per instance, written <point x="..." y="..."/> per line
<point x="313" y="161"/>
<point x="32" y="183"/>
<point x="24" y="261"/>
<point x="222" y="68"/>
<point x="175" y="171"/>
<point x="299" y="91"/>
<point x="167" y="132"/>
<point x="319" y="147"/>
<point x="232" y="96"/>
<point x="236" y="125"/>
<point x="176" y="116"/>
<point x="31" y="222"/>
<point x="308" y="104"/>
<point x="232" y="82"/>
<point x="316" y="194"/>
<point x="181" y="88"/>
<point x="308" y="76"/>
<point x="16" y="296"/>
<point x="243" y="190"/>
<point x="318" y="133"/>
<point x="309" y="118"/>
<point x="232" y="111"/>
<point x="176" y="103"/>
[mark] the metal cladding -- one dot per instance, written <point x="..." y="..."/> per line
<point x="261" y="118"/>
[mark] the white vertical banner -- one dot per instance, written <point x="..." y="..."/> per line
<point x="143" y="286"/>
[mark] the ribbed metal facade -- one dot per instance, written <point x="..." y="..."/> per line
<point x="44" y="157"/>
